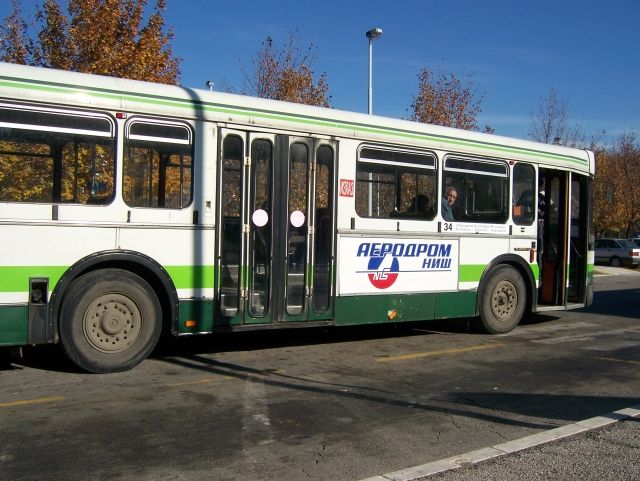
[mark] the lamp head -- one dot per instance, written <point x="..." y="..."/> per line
<point x="374" y="33"/>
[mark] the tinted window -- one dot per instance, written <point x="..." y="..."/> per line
<point x="478" y="191"/>
<point x="55" y="157"/>
<point x="395" y="183"/>
<point x="524" y="189"/>
<point x="158" y="165"/>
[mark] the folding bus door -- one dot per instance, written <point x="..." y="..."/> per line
<point x="579" y="232"/>
<point x="553" y="211"/>
<point x="275" y="236"/>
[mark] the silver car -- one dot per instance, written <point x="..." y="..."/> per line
<point x="617" y="252"/>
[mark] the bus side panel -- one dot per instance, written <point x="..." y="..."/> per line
<point x="353" y="310"/>
<point x="196" y="316"/>
<point x="456" y="304"/>
<point x="186" y="253"/>
<point x="476" y="253"/>
<point x="14" y="321"/>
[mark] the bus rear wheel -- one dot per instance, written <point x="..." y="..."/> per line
<point x="502" y="300"/>
<point x="110" y="321"/>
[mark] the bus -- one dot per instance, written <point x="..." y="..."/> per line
<point x="129" y="209"/>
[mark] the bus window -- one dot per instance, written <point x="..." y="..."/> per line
<point x="323" y="229"/>
<point x="393" y="183"/>
<point x="157" y="165"/>
<point x="260" y="234"/>
<point x="482" y="189"/>
<point x="524" y="187"/>
<point x="297" y="228"/>
<point x="55" y="157"/>
<point x="232" y="180"/>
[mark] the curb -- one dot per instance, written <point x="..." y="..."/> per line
<point x="473" y="457"/>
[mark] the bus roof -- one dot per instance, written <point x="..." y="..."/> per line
<point x="19" y="82"/>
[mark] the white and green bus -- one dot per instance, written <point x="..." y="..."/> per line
<point x="128" y="209"/>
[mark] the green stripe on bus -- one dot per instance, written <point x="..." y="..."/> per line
<point x="268" y="114"/>
<point x="473" y="272"/>
<point x="536" y="271"/>
<point x="16" y="278"/>
<point x="196" y="277"/>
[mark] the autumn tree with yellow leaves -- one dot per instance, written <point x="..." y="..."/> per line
<point x="105" y="37"/>
<point x="616" y="190"/>
<point x="286" y="73"/>
<point x="446" y="99"/>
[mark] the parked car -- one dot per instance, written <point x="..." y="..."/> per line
<point x="617" y="252"/>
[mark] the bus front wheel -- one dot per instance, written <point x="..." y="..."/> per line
<point x="502" y="300"/>
<point x="110" y="321"/>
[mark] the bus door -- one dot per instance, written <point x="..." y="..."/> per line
<point x="579" y="233"/>
<point x="275" y="241"/>
<point x="553" y="208"/>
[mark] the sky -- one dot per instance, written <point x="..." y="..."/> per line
<point x="514" y="51"/>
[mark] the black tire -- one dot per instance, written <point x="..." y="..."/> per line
<point x="615" y="262"/>
<point x="110" y="321"/>
<point x="503" y="298"/>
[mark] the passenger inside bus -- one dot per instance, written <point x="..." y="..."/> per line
<point x="447" y="203"/>
<point x="523" y="209"/>
<point x="421" y="206"/>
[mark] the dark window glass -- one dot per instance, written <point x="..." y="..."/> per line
<point x="323" y="229"/>
<point x="524" y="194"/>
<point x="43" y="120"/>
<point x="260" y="235"/>
<point x="39" y="165"/>
<point x="395" y="184"/>
<point x="231" y="224"/>
<point x="160" y="131"/>
<point x="159" y="172"/>
<point x="297" y="227"/>
<point x="475" y="191"/>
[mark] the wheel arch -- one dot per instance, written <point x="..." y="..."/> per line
<point x="135" y="262"/>
<point x="522" y="267"/>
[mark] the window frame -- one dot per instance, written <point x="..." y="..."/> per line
<point x="152" y="140"/>
<point x="400" y="168"/>
<point x="494" y="163"/>
<point x="68" y="130"/>
<point x="524" y="220"/>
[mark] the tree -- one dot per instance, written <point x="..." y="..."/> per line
<point x="550" y="123"/>
<point x="14" y="43"/>
<point x="446" y="100"/>
<point x="106" y="37"/>
<point x="617" y="188"/>
<point x="286" y="74"/>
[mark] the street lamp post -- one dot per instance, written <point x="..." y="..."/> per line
<point x="372" y="35"/>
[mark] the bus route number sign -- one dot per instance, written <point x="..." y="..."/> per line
<point x="346" y="188"/>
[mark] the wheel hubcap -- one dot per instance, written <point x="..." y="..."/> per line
<point x="504" y="300"/>
<point x="112" y="323"/>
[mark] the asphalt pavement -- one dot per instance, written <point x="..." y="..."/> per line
<point x="604" y="448"/>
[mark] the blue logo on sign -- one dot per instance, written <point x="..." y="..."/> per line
<point x="383" y="266"/>
<point x="383" y="271"/>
